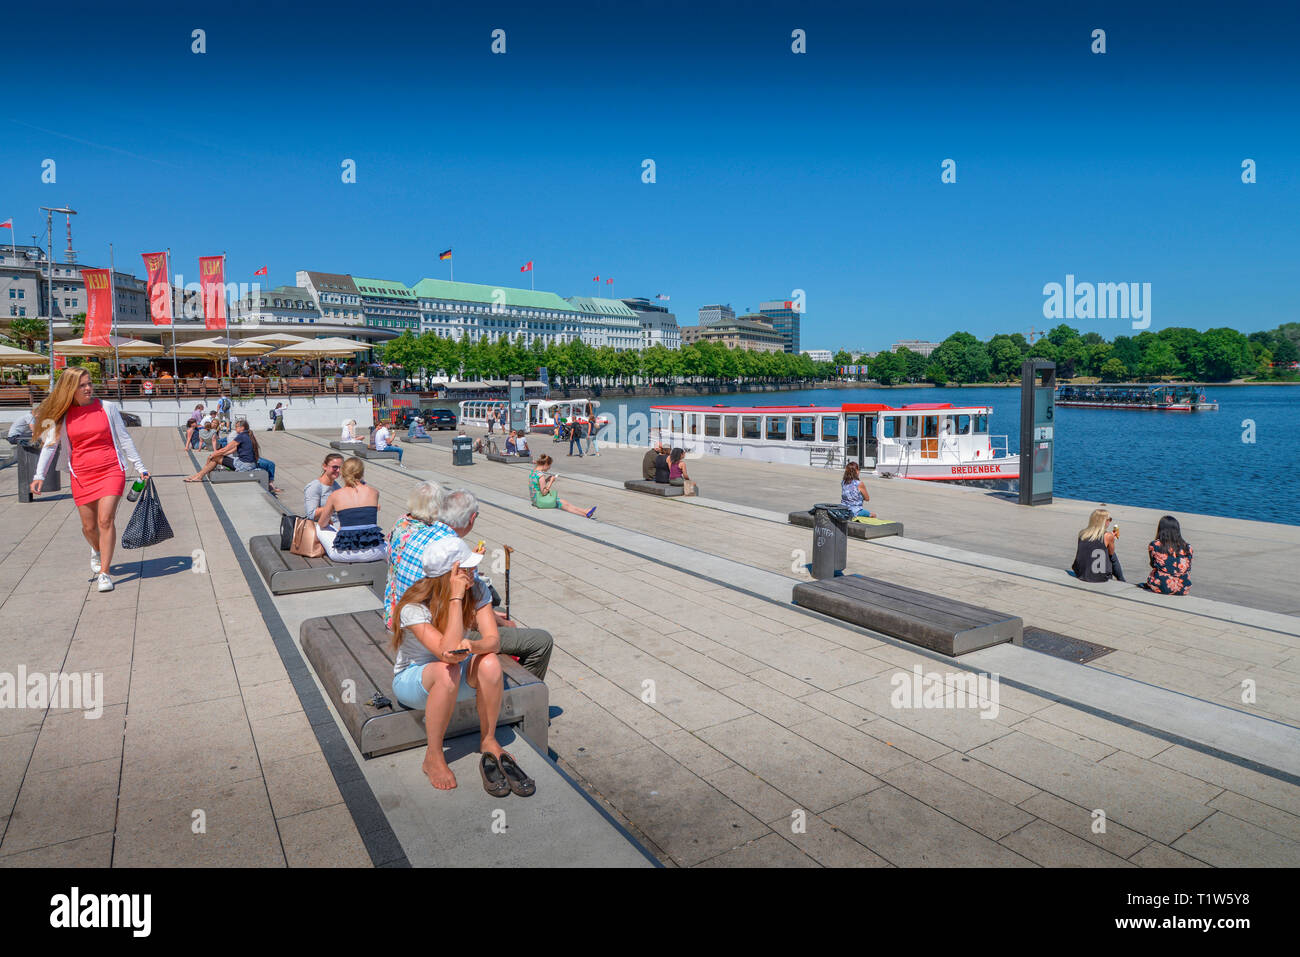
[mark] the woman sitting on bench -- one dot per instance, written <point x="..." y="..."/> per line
<point x="431" y="628"/>
<point x="358" y="537"/>
<point x="243" y="454"/>
<point x="416" y="431"/>
<point x="853" y="492"/>
<point x="349" y="433"/>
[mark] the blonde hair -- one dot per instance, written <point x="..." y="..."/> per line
<point x="50" y="413"/>
<point x="1096" y="529"/>
<point x="435" y="593"/>
<point x="352" y="472"/>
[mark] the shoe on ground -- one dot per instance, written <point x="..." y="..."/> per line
<point x="95" y="567"/>
<point x="105" y="583"/>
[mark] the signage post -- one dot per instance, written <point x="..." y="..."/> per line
<point x="518" y="406"/>
<point x="1037" y="428"/>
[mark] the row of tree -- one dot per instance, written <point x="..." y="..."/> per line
<point x="576" y="361"/>
<point x="1215" y="355"/>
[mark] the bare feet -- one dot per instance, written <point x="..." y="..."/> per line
<point x="440" y="775"/>
<point x="490" y="746"/>
<point x="193" y="478"/>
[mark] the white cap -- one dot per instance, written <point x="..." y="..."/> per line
<point x="441" y="553"/>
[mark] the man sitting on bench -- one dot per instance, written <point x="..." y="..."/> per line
<point x="384" y="441"/>
<point x="648" y="467"/>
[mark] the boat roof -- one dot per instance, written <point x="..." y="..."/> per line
<point x="819" y="409"/>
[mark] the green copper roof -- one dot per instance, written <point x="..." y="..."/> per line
<point x="605" y="307"/>
<point x="382" y="287"/>
<point x="477" y="292"/>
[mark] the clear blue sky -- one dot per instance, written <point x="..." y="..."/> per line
<point x="775" y="171"/>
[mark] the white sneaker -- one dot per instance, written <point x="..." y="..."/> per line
<point x="105" y="583"/>
<point x="94" y="561"/>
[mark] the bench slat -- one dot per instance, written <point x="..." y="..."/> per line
<point x="920" y="604"/>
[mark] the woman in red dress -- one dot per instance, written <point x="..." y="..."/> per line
<point x="93" y="439"/>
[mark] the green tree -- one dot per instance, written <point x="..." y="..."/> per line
<point x="1160" y="360"/>
<point x="1005" y="356"/>
<point x="887" y="368"/>
<point x="29" y="331"/>
<point x="842" y="358"/>
<point x="1221" y="354"/>
<point x="1112" y="370"/>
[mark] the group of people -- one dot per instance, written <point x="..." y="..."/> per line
<point x="381" y="438"/>
<point x="1095" y="558"/>
<point x="664" y="465"/>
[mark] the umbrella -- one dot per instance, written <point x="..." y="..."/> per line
<point x="9" y="356"/>
<point x="222" y="346"/>
<point x="278" y="338"/>
<point x="121" y="345"/>
<point x="319" y="348"/>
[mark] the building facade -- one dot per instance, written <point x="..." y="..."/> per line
<point x="785" y="320"/>
<point x="387" y="304"/>
<point x="25" y="291"/>
<point x="712" y="315"/>
<point x="745" y="332"/>
<point x="658" y="324"/>
<point x="335" y="295"/>
<point x="915" y="345"/>
<point x="282" y="304"/>
<point x="818" y="355"/>
<point x="478" y="311"/>
<point x="608" y="322"/>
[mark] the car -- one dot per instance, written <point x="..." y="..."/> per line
<point x="130" y="420"/>
<point x="438" y="418"/>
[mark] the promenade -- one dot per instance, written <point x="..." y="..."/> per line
<point x="762" y="715"/>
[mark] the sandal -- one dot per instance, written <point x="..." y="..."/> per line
<point x="520" y="783"/>
<point x="591" y="511"/>
<point x="494" y="780"/>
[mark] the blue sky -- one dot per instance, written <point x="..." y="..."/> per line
<point x="775" y="171"/>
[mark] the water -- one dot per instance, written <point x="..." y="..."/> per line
<point x="1174" y="461"/>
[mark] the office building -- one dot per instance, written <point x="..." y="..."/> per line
<point x="818" y="355"/>
<point x="658" y="324"/>
<point x="751" y="332"/>
<point x="785" y="320"/>
<point x="712" y="315"/>
<point x="335" y="295"/>
<point x="915" y="345"/>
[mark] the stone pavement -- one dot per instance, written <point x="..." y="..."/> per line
<point x="763" y="715"/>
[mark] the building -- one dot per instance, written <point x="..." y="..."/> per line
<point x="607" y="322"/>
<point x="818" y="355"/>
<point x="477" y="311"/>
<point x="387" y="304"/>
<point x="751" y="332"/>
<point x="712" y="315"/>
<point x="335" y="295"/>
<point x="915" y="345"/>
<point x="24" y="288"/>
<point x="785" y="320"/>
<point x="283" y="304"/>
<point x="658" y="324"/>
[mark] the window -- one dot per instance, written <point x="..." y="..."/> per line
<point x="830" y="428"/>
<point x="805" y="428"/>
<point x="981" y="424"/>
<point x="693" y="424"/>
<point x="676" y="423"/>
<point x="729" y="426"/>
<point x="963" y="425"/>
<point x="776" y="428"/>
<point x="913" y="426"/>
<point x="893" y="427"/>
<point x="711" y="426"/>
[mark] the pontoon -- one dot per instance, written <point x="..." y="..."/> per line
<point x="1157" y="398"/>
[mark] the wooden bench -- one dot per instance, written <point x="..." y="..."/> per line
<point x="369" y="453"/>
<point x="407" y="439"/>
<point x="12" y="395"/>
<point x="866" y="529"/>
<point x="352" y="657"/>
<point x="507" y="459"/>
<point x="223" y="476"/>
<point x="348" y="446"/>
<point x="653" y="488"/>
<point x="924" y="618"/>
<point x="287" y="574"/>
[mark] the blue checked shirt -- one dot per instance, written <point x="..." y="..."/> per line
<point x="406" y="544"/>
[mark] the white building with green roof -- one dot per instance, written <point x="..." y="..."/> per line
<point x="388" y="304"/>
<point x="608" y="322"/>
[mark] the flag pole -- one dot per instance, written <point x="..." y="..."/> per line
<point x="227" y="319"/>
<point x="112" y="318"/>
<point x="167" y="273"/>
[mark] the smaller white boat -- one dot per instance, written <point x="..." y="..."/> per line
<point x="543" y="414"/>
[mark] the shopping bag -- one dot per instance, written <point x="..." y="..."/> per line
<point x="148" y="524"/>
<point x="305" y="542"/>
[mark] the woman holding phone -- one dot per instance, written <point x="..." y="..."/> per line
<point x="93" y="440"/>
<point x="431" y="637"/>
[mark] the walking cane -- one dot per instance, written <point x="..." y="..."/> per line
<point x="508" y="551"/>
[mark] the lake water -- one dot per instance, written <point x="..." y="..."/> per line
<point x="1174" y="461"/>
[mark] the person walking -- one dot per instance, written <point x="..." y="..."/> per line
<point x="575" y="435"/>
<point x="91" y="437"/>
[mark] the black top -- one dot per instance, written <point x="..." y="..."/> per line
<point x="661" y="469"/>
<point x="244" y="447"/>
<point x="1089" y="557"/>
<point x="648" y="465"/>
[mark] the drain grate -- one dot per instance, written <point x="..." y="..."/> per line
<point x="1063" y="646"/>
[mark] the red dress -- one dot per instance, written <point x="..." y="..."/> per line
<point x="95" y="469"/>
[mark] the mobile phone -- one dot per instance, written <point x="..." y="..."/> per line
<point x="459" y="651"/>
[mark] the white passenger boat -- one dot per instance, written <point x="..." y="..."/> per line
<point x="542" y="413"/>
<point x="936" y="442"/>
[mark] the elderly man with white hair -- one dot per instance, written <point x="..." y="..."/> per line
<point x="433" y="513"/>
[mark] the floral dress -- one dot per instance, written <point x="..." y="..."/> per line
<point x="1170" y="571"/>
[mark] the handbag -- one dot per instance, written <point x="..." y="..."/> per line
<point x="288" y="523"/>
<point x="305" y="542"/>
<point x="148" y="524"/>
<point x="545" y="501"/>
<point x="690" y="488"/>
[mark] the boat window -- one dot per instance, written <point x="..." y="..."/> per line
<point x="805" y="428"/>
<point x="963" y="425"/>
<point x="712" y="426"/>
<point x="729" y="426"/>
<point x="913" y="426"/>
<point x="892" y="427"/>
<point x="830" y="428"/>
<point x="676" y="426"/>
<point x="693" y="424"/>
<point x="931" y="426"/>
<point x="776" y="428"/>
<point x="981" y="424"/>
<point x="749" y="427"/>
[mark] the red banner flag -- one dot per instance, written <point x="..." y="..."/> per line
<point x="260" y="272"/>
<point x="527" y="267"/>
<point x="608" y="281"/>
<point x="160" y="288"/>
<point x="212" y="291"/>
<point x="99" y="306"/>
<point x="595" y="279"/>
<point x="7" y="224"/>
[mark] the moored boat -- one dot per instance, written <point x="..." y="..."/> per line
<point x="936" y="442"/>
<point x="543" y="414"/>
<point x="1155" y="398"/>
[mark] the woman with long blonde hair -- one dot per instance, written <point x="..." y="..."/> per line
<point x="91" y="437"/>
<point x="431" y="638"/>
<point x="1095" y="559"/>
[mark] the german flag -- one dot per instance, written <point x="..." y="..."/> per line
<point x="446" y="254"/>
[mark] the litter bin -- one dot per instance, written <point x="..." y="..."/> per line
<point x="830" y="540"/>
<point x="462" y="450"/>
<point x="29" y="454"/>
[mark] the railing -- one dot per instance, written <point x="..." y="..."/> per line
<point x="238" y="387"/>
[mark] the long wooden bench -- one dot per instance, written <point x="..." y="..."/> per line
<point x="223" y="476"/>
<point x="348" y="446"/>
<point x="352" y="657"/>
<point x="368" y="453"/>
<point x="925" y="618"/>
<point x="653" y="488"/>
<point x="501" y="457"/>
<point x="286" y="573"/>
<point x="865" y="528"/>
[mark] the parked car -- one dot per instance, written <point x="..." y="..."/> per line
<point x="130" y="419"/>
<point x="439" y="419"/>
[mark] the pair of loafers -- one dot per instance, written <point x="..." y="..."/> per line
<point x="502" y="776"/>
